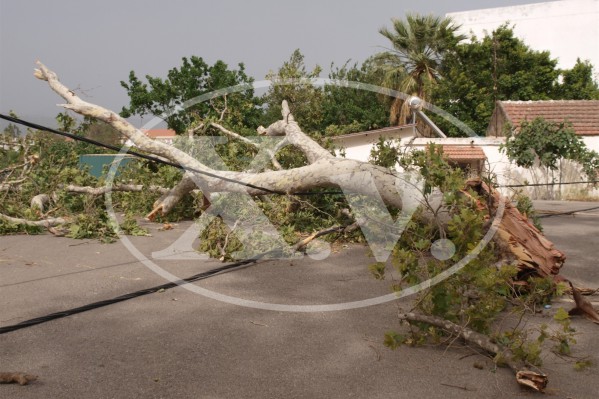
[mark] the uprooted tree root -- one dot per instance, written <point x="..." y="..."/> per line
<point x="17" y="378"/>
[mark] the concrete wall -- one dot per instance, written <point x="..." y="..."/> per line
<point x="358" y="146"/>
<point x="497" y="163"/>
<point x="567" y="28"/>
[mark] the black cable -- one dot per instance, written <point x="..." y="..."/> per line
<point x="165" y="162"/>
<point x="549" y="184"/>
<point x="547" y="215"/>
<point x="121" y="298"/>
<point x="151" y="158"/>
<point x="131" y="152"/>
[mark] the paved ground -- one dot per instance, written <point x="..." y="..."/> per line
<point x="178" y="344"/>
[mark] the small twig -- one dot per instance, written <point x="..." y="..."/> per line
<point x="137" y="188"/>
<point x="223" y="250"/>
<point x="259" y="324"/>
<point x="378" y="354"/>
<point x="194" y="130"/>
<point x="224" y="110"/>
<point x="79" y="243"/>
<point x="335" y="229"/>
<point x="468" y="355"/>
<point x="365" y="338"/>
<point x="457" y="386"/>
<point x="11" y="168"/>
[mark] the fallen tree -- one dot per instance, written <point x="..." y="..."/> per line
<point x="517" y="242"/>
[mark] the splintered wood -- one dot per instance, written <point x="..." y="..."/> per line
<point x="532" y="252"/>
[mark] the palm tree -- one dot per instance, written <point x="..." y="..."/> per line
<point x="413" y="62"/>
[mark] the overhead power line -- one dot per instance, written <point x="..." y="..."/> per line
<point x="152" y="158"/>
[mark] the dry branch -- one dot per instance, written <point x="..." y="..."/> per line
<point x="583" y="306"/>
<point x="335" y="229"/>
<point x="18" y="378"/>
<point x="531" y="379"/>
<point x="14" y="167"/>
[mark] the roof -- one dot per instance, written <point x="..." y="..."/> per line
<point x="463" y="153"/>
<point x="154" y="133"/>
<point x="582" y="114"/>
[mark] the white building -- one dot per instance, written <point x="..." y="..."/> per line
<point x="482" y="154"/>
<point x="569" y="29"/>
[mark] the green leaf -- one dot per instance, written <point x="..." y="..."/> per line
<point x="561" y="315"/>
<point x="394" y="340"/>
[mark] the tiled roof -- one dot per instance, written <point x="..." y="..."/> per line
<point x="153" y="133"/>
<point x="463" y="153"/>
<point x="583" y="114"/>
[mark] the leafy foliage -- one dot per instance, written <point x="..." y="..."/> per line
<point x="476" y="295"/>
<point x="385" y="153"/>
<point x="193" y="78"/>
<point x="349" y="110"/>
<point x="497" y="67"/>
<point x="292" y="82"/>
<point x="577" y="83"/>
<point x="544" y="143"/>
<point x="412" y="66"/>
<point x="52" y="163"/>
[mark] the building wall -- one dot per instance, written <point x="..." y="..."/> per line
<point x="497" y="163"/>
<point x="359" y="146"/>
<point x="567" y="28"/>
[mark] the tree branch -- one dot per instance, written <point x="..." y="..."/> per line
<point x="50" y="222"/>
<point x="234" y="135"/>
<point x="116" y="187"/>
<point x="531" y="379"/>
<point x="171" y="197"/>
<point x="7" y="185"/>
<point x="323" y="172"/>
<point x="289" y="127"/>
<point x="335" y="229"/>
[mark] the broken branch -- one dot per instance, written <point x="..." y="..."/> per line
<point x="50" y="222"/>
<point x="19" y="378"/>
<point x="531" y="379"/>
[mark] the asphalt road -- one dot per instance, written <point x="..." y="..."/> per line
<point x="180" y="344"/>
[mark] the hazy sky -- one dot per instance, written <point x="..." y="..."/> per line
<point x="94" y="45"/>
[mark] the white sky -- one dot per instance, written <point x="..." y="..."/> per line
<point x="94" y="45"/>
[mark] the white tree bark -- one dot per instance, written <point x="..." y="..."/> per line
<point x="39" y="223"/>
<point x="323" y="171"/>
